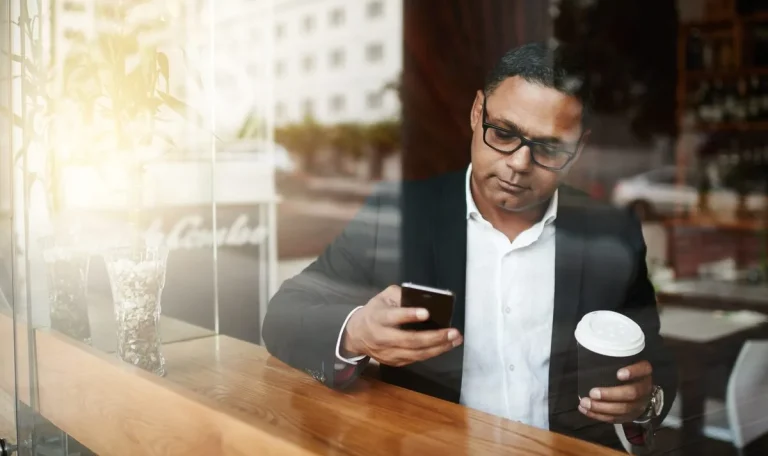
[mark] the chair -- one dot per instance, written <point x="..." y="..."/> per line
<point x="702" y="341"/>
<point x="747" y="394"/>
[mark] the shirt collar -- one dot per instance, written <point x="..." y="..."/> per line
<point x="549" y="216"/>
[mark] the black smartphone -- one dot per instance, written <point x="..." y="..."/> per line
<point x="438" y="302"/>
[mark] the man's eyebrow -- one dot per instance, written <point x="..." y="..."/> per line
<point x="507" y="124"/>
<point x="511" y="126"/>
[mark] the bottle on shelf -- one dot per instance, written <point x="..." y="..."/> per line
<point x="717" y="109"/>
<point x="694" y="51"/>
<point x="763" y="98"/>
<point x="754" y="101"/>
<point x="739" y="112"/>
<point x="704" y="102"/>
<point x="730" y="103"/>
<point x="708" y="54"/>
<point x="725" y="55"/>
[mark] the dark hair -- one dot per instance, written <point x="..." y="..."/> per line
<point x="561" y="68"/>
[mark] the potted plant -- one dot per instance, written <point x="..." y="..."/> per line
<point x="116" y="87"/>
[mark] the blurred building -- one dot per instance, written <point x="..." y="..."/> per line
<point x="334" y="58"/>
<point x="72" y="22"/>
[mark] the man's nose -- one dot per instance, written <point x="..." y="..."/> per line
<point x="520" y="160"/>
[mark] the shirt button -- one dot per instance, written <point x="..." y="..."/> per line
<point x="507" y="310"/>
<point x="511" y="367"/>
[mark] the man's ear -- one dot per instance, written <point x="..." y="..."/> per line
<point x="577" y="154"/>
<point x="476" y="114"/>
<point x="582" y="143"/>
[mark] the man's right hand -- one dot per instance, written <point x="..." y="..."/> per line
<point x="374" y="331"/>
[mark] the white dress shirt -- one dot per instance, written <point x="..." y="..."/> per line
<point x="508" y="325"/>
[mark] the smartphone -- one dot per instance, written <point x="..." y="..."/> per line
<point x="438" y="302"/>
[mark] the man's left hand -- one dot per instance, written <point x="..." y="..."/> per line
<point x="621" y="404"/>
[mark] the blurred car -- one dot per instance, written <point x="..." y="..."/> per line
<point x="657" y="193"/>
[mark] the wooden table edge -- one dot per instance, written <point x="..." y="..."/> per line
<point x="115" y="408"/>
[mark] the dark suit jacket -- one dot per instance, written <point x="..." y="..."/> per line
<point x="417" y="232"/>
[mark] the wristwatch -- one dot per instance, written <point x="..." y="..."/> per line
<point x="655" y="405"/>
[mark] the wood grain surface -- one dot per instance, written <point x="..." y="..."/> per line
<point x="223" y="396"/>
<point x="372" y="418"/>
<point x="116" y="409"/>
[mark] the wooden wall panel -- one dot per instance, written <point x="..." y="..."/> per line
<point x="448" y="51"/>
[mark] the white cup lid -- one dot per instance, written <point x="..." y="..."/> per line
<point x="610" y="334"/>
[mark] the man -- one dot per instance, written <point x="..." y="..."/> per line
<point x="525" y="257"/>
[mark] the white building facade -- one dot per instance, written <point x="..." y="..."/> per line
<point x="334" y="58"/>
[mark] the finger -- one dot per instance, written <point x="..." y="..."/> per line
<point x="419" y="340"/>
<point x="392" y="295"/>
<point x="600" y="416"/>
<point x="396" y="316"/>
<point x="616" y="409"/>
<point x="402" y="356"/>
<point x="635" y="371"/>
<point x="625" y="393"/>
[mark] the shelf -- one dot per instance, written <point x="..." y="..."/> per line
<point x="731" y="126"/>
<point x="724" y="74"/>
<point x="761" y="16"/>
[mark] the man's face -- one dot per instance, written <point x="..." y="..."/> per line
<point x="513" y="181"/>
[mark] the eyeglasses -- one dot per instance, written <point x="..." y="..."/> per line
<point x="547" y="155"/>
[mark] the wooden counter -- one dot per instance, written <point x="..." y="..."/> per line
<point x="223" y="396"/>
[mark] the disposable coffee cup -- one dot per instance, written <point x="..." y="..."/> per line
<point x="607" y="341"/>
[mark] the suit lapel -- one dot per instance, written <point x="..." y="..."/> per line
<point x="449" y="241"/>
<point x="569" y="250"/>
<point x="433" y="253"/>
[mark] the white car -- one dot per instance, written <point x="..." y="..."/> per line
<point x="657" y="193"/>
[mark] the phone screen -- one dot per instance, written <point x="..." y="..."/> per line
<point x="438" y="302"/>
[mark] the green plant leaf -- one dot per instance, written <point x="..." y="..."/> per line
<point x="181" y="108"/>
<point x="17" y="120"/>
<point x="162" y="63"/>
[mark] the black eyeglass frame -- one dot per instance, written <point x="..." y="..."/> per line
<point x="525" y="142"/>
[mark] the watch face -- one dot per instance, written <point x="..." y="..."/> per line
<point x="658" y="403"/>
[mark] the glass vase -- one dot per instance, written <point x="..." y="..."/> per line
<point x="137" y="277"/>
<point x="66" y="265"/>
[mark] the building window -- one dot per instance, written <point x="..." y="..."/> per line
<point x="73" y="7"/>
<point x="279" y="68"/>
<point x="74" y="35"/>
<point x="280" y="31"/>
<point x="374" y="9"/>
<point x="338" y="103"/>
<point x="337" y="17"/>
<point x="309" y="108"/>
<point x="308" y="63"/>
<point x="337" y="58"/>
<point x="374" y="100"/>
<point x="374" y="52"/>
<point x="309" y="24"/>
